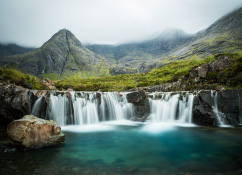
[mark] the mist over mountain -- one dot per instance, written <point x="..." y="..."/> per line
<point x="222" y="36"/>
<point x="12" y="49"/>
<point x="64" y="55"/>
<point x="174" y="44"/>
<point x="132" y="55"/>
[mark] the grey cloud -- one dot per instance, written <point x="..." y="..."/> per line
<point x="32" y="22"/>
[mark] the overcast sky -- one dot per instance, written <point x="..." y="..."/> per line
<point x="32" y="22"/>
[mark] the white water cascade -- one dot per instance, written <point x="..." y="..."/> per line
<point x="240" y="109"/>
<point x="170" y="107"/>
<point x="219" y="115"/>
<point x="36" y="107"/>
<point x="84" y="108"/>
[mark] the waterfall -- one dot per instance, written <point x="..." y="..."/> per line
<point x="36" y="108"/>
<point x="219" y="115"/>
<point x="56" y="109"/>
<point x="170" y="107"/>
<point x="240" y="109"/>
<point x="85" y="107"/>
<point x="115" y="107"/>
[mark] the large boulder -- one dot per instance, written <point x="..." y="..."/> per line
<point x="32" y="132"/>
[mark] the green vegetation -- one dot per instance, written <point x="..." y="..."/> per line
<point x="168" y="73"/>
<point x="231" y="77"/>
<point x="10" y="75"/>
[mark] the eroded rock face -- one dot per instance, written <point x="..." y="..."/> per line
<point x="32" y="132"/>
<point x="203" y="109"/>
<point x="229" y="106"/>
<point x="136" y="97"/>
<point x="141" y="103"/>
<point x="15" y="102"/>
<point x="221" y="62"/>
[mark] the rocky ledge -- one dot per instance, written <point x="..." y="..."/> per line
<point x="228" y="103"/>
<point x="16" y="102"/>
<point x="32" y="132"/>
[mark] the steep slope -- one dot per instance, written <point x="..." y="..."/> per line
<point x="62" y="55"/>
<point x="225" y="35"/>
<point x="13" y="49"/>
<point x="132" y="55"/>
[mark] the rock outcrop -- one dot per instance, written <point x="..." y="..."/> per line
<point x="15" y="102"/>
<point x="203" y="109"/>
<point x="141" y="103"/>
<point x="229" y="107"/>
<point x="32" y="132"/>
<point x="197" y="79"/>
<point x="222" y="62"/>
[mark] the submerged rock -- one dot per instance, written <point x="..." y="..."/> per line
<point x="32" y="132"/>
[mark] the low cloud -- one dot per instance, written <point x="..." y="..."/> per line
<point x="31" y="23"/>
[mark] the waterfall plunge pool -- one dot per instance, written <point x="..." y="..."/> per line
<point x="125" y="147"/>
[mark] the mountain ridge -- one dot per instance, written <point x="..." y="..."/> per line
<point x="13" y="49"/>
<point x="62" y="55"/>
<point x="224" y="35"/>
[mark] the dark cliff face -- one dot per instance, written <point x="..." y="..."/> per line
<point x="229" y="107"/>
<point x="60" y="55"/>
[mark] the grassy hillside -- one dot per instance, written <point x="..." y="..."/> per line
<point x="168" y="73"/>
<point x="16" y="77"/>
<point x="230" y="77"/>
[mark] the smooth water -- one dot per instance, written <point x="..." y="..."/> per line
<point x="126" y="147"/>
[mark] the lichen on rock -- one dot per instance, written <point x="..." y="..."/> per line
<point x="33" y="132"/>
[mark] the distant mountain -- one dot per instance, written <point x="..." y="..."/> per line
<point x="63" y="54"/>
<point x="131" y="55"/>
<point x="12" y="49"/>
<point x="225" y="35"/>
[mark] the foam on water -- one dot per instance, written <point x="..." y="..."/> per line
<point x="87" y="128"/>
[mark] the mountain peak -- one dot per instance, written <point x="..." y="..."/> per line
<point x="61" y="55"/>
<point x="64" y="37"/>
